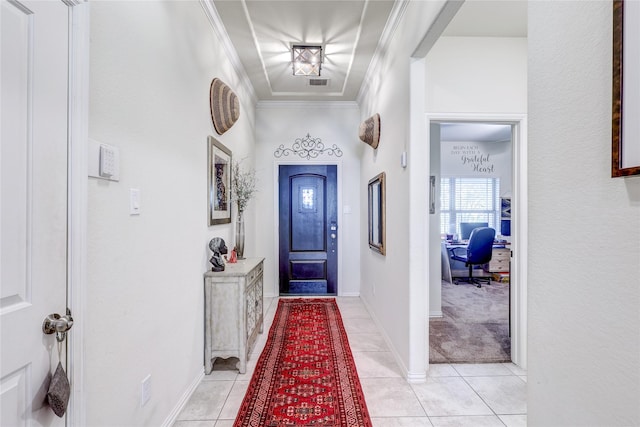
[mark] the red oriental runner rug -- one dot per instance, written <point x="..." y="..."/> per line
<point x="305" y="375"/>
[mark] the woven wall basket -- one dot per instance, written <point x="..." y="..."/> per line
<point x="370" y="131"/>
<point x="225" y="108"/>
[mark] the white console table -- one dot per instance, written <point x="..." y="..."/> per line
<point x="233" y="311"/>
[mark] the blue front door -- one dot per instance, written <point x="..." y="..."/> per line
<point x="308" y="201"/>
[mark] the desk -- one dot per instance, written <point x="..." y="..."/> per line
<point x="500" y="258"/>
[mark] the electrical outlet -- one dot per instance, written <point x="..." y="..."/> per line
<point x="145" y="394"/>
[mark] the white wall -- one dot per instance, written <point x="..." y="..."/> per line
<point x="473" y="75"/>
<point x="281" y="123"/>
<point x="395" y="302"/>
<point x="151" y="67"/>
<point x="584" y="291"/>
<point x="477" y="75"/>
<point x="494" y="160"/>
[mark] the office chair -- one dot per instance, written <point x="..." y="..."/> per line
<point x="478" y="252"/>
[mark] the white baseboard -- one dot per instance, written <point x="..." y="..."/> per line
<point x="345" y="294"/>
<point x="437" y="313"/>
<point x="416" y="378"/>
<point x="405" y="372"/>
<point x="349" y="294"/>
<point x="171" y="419"/>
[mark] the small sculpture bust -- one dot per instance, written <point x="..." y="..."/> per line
<point x="219" y="248"/>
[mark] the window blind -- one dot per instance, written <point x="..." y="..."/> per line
<point x="469" y="200"/>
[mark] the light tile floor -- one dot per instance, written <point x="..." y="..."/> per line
<point x="454" y="395"/>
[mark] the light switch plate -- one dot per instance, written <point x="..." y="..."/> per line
<point x="134" y="201"/>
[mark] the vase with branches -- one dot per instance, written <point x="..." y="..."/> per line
<point x="243" y="184"/>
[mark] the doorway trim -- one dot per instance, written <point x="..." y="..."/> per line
<point x="77" y="177"/>
<point x="519" y="215"/>
<point x="276" y="218"/>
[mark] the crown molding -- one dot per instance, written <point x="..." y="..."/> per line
<point x="220" y="30"/>
<point x="254" y="37"/>
<point x="399" y="8"/>
<point x="307" y="104"/>
<point x="72" y="3"/>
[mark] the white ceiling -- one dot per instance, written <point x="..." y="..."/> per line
<point x="489" y="18"/>
<point x="474" y="132"/>
<point x="262" y="31"/>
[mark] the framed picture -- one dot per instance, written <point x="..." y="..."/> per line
<point x="219" y="172"/>
<point x="377" y="208"/>
<point x="625" y="136"/>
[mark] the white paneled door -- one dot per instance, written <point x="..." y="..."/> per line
<point x="33" y="202"/>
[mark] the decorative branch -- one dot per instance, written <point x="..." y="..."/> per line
<point x="309" y="148"/>
<point x="243" y="184"/>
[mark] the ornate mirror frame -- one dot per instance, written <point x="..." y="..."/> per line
<point x="624" y="102"/>
<point x="377" y="215"/>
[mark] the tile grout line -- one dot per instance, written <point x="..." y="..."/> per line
<point x="483" y="401"/>
<point x="266" y="328"/>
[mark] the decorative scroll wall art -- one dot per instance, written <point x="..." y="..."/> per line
<point x="369" y="131"/>
<point x="308" y="148"/>
<point x="225" y="108"/>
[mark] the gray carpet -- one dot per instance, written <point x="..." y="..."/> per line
<point x="474" y="327"/>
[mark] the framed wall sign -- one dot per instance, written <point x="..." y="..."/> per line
<point x="219" y="178"/>
<point x="377" y="207"/>
<point x="625" y="136"/>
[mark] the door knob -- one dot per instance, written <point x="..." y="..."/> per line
<point x="56" y="324"/>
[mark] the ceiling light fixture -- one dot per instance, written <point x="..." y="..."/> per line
<point x="306" y="60"/>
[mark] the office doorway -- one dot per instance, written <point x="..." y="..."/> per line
<point x="499" y="170"/>
<point x="473" y="176"/>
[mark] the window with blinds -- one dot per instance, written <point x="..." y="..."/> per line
<point x="469" y="200"/>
